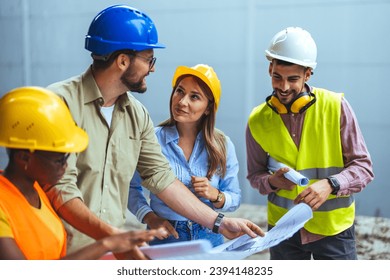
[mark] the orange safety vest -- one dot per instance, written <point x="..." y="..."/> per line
<point x="33" y="235"/>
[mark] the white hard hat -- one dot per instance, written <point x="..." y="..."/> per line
<point x="294" y="45"/>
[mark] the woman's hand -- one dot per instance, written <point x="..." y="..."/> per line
<point x="203" y="188"/>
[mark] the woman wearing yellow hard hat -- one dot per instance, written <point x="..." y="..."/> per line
<point x="39" y="133"/>
<point x="202" y="157"/>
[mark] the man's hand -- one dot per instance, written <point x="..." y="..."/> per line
<point x="278" y="180"/>
<point x="156" y="222"/>
<point x="315" y="195"/>
<point x="234" y="227"/>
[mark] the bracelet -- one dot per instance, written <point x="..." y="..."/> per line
<point x="217" y="223"/>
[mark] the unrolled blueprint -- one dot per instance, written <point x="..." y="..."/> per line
<point x="238" y="248"/>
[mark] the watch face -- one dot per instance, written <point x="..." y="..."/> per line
<point x="334" y="184"/>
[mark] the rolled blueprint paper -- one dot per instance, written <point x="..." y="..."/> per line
<point x="292" y="175"/>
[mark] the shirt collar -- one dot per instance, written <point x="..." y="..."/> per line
<point x="93" y="93"/>
<point x="171" y="134"/>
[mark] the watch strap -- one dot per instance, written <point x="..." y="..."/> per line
<point x="219" y="197"/>
<point x="218" y="222"/>
<point x="335" y="185"/>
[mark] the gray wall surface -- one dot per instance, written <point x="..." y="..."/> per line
<point x="42" y="41"/>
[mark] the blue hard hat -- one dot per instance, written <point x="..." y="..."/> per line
<point x="121" y="27"/>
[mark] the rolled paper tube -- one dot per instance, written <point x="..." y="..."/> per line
<point x="292" y="175"/>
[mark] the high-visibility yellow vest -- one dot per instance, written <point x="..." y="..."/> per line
<point x="319" y="155"/>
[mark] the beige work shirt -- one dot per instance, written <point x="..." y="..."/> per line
<point x="101" y="175"/>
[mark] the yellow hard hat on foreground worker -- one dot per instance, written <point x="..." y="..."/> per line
<point x="35" y="118"/>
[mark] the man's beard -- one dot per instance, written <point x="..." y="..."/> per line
<point x="286" y="100"/>
<point x="132" y="86"/>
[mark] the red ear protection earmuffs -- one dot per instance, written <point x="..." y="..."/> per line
<point x="298" y="105"/>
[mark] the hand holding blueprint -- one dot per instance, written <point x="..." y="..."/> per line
<point x="238" y="248"/>
<point x="292" y="175"/>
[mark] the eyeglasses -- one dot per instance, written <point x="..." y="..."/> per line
<point x="58" y="161"/>
<point x="150" y="60"/>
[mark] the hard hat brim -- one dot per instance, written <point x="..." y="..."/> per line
<point x="270" y="56"/>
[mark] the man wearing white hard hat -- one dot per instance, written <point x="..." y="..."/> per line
<point x="314" y="131"/>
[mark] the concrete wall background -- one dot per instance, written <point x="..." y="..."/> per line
<point x="42" y="41"/>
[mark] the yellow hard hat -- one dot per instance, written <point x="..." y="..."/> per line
<point x="35" y="118"/>
<point x="206" y="74"/>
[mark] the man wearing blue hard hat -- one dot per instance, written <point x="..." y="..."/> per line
<point x="92" y="196"/>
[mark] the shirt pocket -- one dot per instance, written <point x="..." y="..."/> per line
<point x="125" y="153"/>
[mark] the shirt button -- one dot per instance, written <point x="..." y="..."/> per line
<point x="293" y="135"/>
<point x="104" y="210"/>
<point x="106" y="186"/>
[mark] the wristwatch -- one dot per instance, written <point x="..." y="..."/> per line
<point x="334" y="184"/>
<point x="218" y="222"/>
<point x="219" y="197"/>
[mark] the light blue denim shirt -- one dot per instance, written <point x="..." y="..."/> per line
<point x="197" y="165"/>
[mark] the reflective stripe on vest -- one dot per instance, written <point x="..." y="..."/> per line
<point x="320" y="173"/>
<point x="329" y="205"/>
<point x="319" y="156"/>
